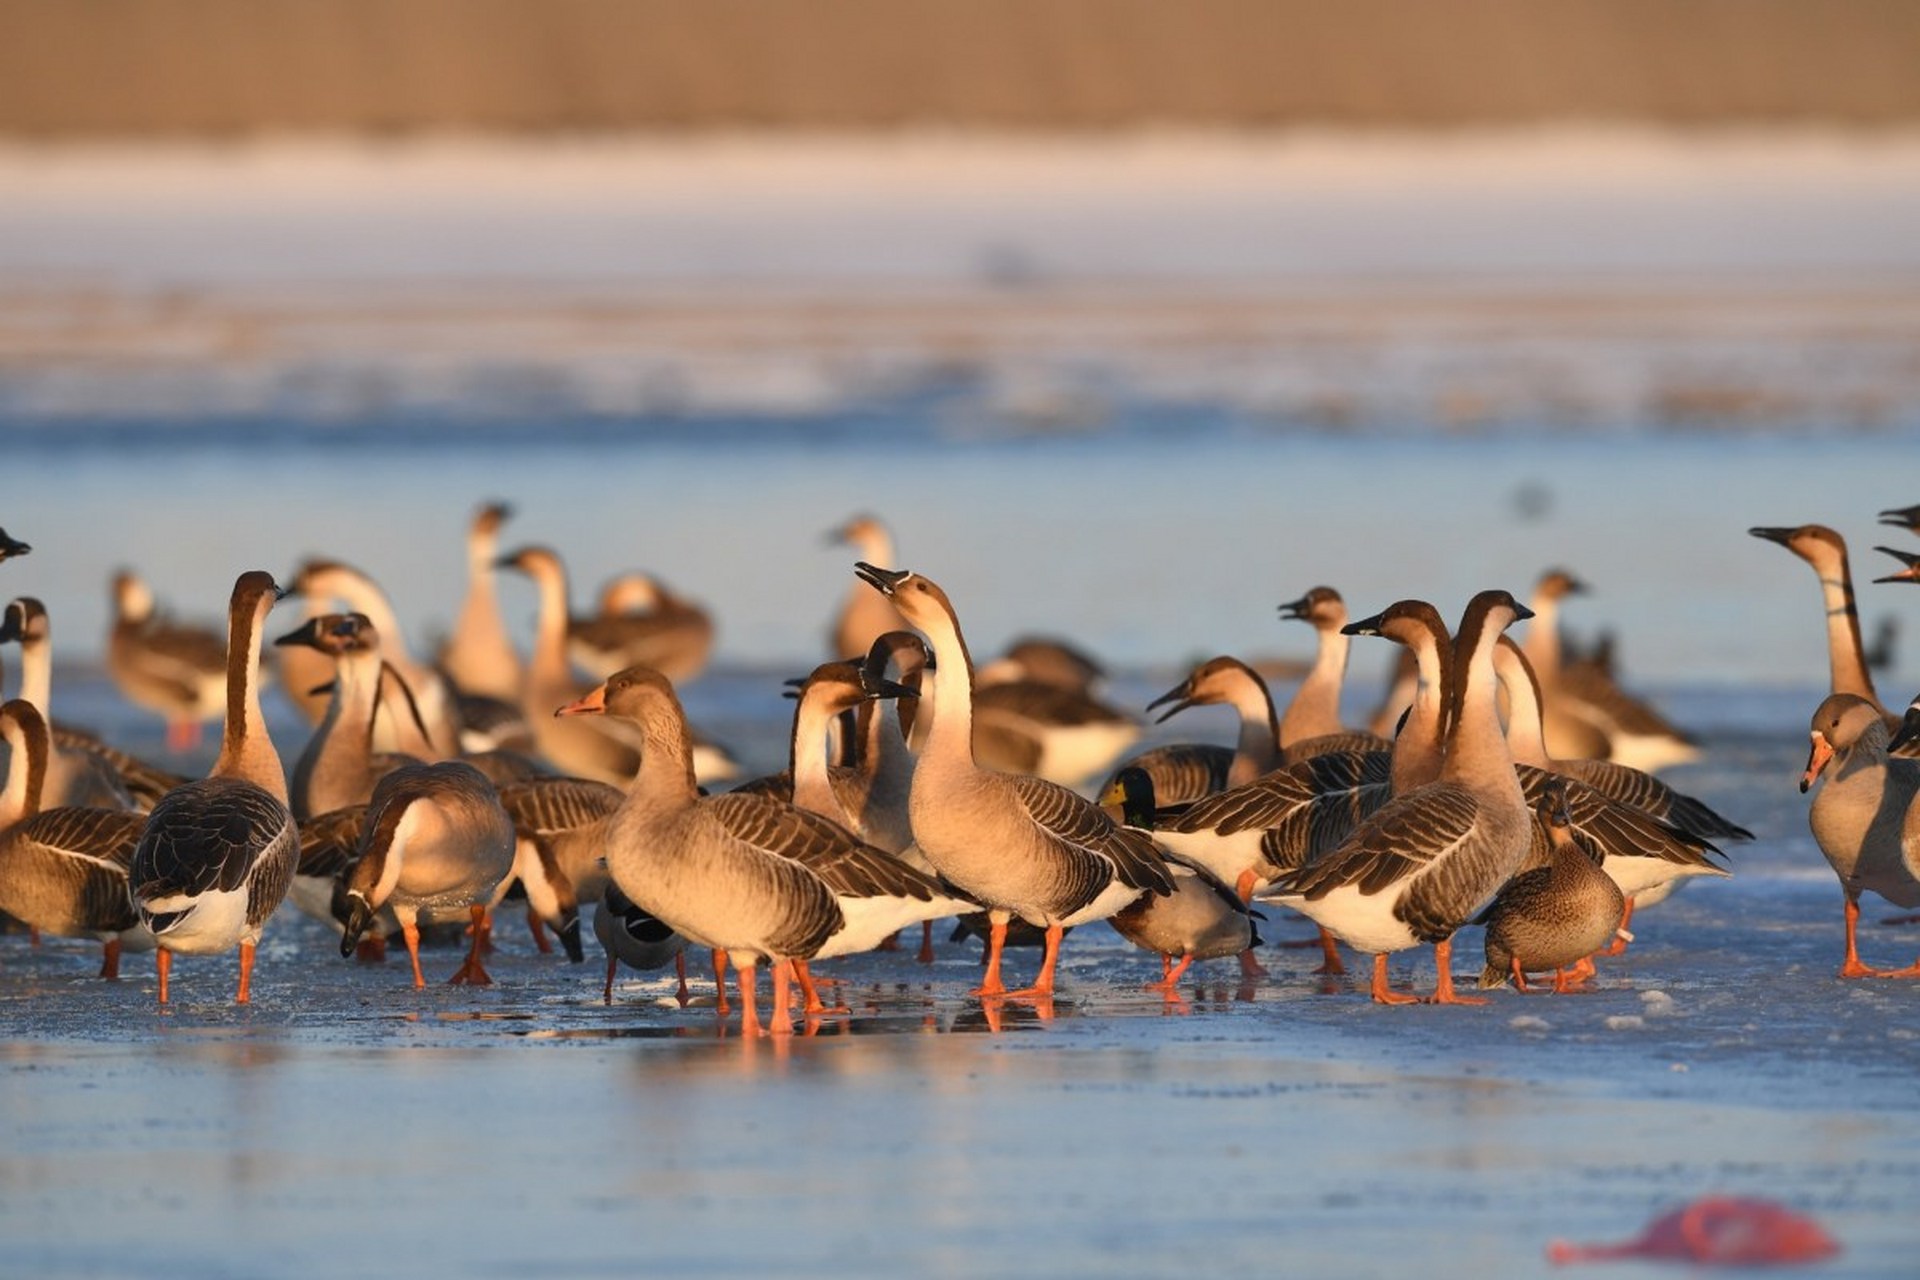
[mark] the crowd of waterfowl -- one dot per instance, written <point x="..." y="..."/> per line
<point x="1508" y="785"/>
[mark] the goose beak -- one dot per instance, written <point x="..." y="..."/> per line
<point x="569" y="932"/>
<point x="1909" y="574"/>
<point x="1364" y="627"/>
<point x="1181" y="700"/>
<point x="885" y="581"/>
<point x="1521" y="613"/>
<point x="359" y="920"/>
<point x="10" y="546"/>
<point x="1772" y="533"/>
<point x="1816" y="760"/>
<point x="1295" y="608"/>
<point x="1909" y="730"/>
<point x="594" y="704"/>
<point x="890" y="689"/>
<point x="308" y="634"/>
<point x="10" y="629"/>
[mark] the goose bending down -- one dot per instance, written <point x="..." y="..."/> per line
<point x="1019" y="845"/>
<point x="1553" y="917"/>
<point x="1202" y="919"/>
<point x="217" y="854"/>
<point x="864" y="617"/>
<point x="1825" y="552"/>
<point x="436" y="841"/>
<point x="339" y="767"/>
<point x="1866" y="818"/>
<point x="723" y="871"/>
<point x="63" y="870"/>
<point x="163" y="666"/>
<point x="77" y="773"/>
<point x="641" y="623"/>
<point x="1182" y="772"/>
<point x="1427" y="862"/>
<point x="637" y="938"/>
<point x="479" y="657"/>
<point x="1311" y="723"/>
<point x="582" y="749"/>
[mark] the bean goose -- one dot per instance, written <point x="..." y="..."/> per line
<point x="216" y="854"/>
<point x="63" y="870"/>
<point x="1018" y="845"/>
<point x="1866" y="818"/>
<point x="1427" y="862"/>
<point x="435" y="842"/>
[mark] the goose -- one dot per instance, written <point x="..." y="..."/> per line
<point x="1553" y="917"/>
<point x="1181" y="772"/>
<point x="1825" y="552"/>
<point x="863" y="616"/>
<point x="432" y="702"/>
<point x="217" y="854"/>
<point x="11" y="546"/>
<point x="77" y="774"/>
<point x="1202" y="919"/>
<point x="582" y="749"/>
<point x="724" y="871"/>
<point x="1018" y="845"/>
<point x="642" y="623"/>
<point x="339" y="767"/>
<point x="479" y="657"/>
<point x="435" y="841"/>
<point x="1431" y="858"/>
<point x="636" y="938"/>
<point x="1311" y="723"/>
<point x="162" y="666"/>
<point x="63" y="870"/>
<point x="1866" y="818"/>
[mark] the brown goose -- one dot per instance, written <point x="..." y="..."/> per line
<point x="1018" y="845"/>
<point x="1185" y="771"/>
<point x="217" y="854"/>
<point x="479" y="657"/>
<point x="723" y="871"/>
<point x="864" y="617"/>
<point x="1553" y="917"/>
<point x="435" y="842"/>
<point x="339" y="767"/>
<point x="641" y="623"/>
<point x="1426" y="863"/>
<point x="1866" y="818"/>
<point x="1825" y="552"/>
<point x="77" y="774"/>
<point x="1311" y="723"/>
<point x="63" y="870"/>
<point x="175" y="670"/>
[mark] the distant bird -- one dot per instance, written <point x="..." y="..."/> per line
<point x="1046" y="719"/>
<point x="435" y="842"/>
<point x="166" y="667"/>
<point x="1553" y="917"/>
<point x="864" y="616"/>
<point x="642" y="623"/>
<point x="81" y="769"/>
<point x="216" y="855"/>
<point x="479" y="657"/>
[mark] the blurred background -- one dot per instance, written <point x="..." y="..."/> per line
<point x="1132" y="319"/>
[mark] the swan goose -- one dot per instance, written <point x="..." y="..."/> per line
<point x="175" y="670"/>
<point x="79" y="770"/>
<point x="1311" y="724"/>
<point x="479" y="657"/>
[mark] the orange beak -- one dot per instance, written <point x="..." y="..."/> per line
<point x="1816" y="759"/>
<point x="593" y="704"/>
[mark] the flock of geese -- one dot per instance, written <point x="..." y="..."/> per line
<point x="1508" y="785"/>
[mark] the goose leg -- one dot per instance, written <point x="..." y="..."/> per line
<point x="540" y="942"/>
<point x="613" y="963"/>
<point x="1853" y="968"/>
<point x="410" y="932"/>
<point x="1171" y="974"/>
<point x="163" y="965"/>
<point x="680" y="968"/>
<point x="720" y="1004"/>
<point x="1330" y="950"/>
<point x="810" y="991"/>
<point x="1443" y="992"/>
<point x="246" y="973"/>
<point x="110" y="958"/>
<point x="991" y="985"/>
<point x="926" y="942"/>
<point x="743" y="977"/>
<point x="470" y="970"/>
<point x="1250" y="966"/>
<point x="1382" y="993"/>
<point x="782" y="1021"/>
<point x="1043" y="984"/>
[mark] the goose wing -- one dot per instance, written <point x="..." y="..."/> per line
<point x="1071" y="823"/>
<point x="848" y="866"/>
<point x="1398" y="842"/>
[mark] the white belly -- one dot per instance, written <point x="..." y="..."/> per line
<point x="1364" y="922"/>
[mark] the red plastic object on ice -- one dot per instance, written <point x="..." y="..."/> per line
<point x="1734" y="1231"/>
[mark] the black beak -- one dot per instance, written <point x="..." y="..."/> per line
<point x="1178" y="696"/>
<point x="307" y="633"/>
<point x="1772" y="534"/>
<point x="1898" y="517"/>
<point x="569" y="932"/>
<point x="359" y="919"/>
<point x="1520" y="612"/>
<point x="1909" y="574"/>
<point x="889" y="689"/>
<point x="1364" y="627"/>
<point x="11" y="546"/>
<point x="1296" y="608"/>
<point x="885" y="581"/>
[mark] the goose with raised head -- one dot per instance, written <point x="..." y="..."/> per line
<point x="1182" y="772"/>
<point x="1202" y="919"/>
<point x="63" y="870"/>
<point x="1311" y="724"/>
<point x="77" y="774"/>
<point x="642" y="623"/>
<point x="170" y="668"/>
<point x="1019" y="845"/>
<point x="1866" y="818"/>
<point x="339" y="767"/>
<point x="635" y="937"/>
<point x="436" y="842"/>
<point x="422" y="695"/>
<point x="1558" y="916"/>
<point x="1825" y="552"/>
<point x="864" y="616"/>
<point x="596" y="750"/>
<point x="724" y="871"/>
<point x="479" y="657"/>
<point x="1433" y="857"/>
<point x="217" y="854"/>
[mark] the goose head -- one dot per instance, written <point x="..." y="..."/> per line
<point x="1321" y="606"/>
<point x="1404" y="622"/>
<point x="132" y="598"/>
<point x="1212" y="682"/>
<point x="919" y="600"/>
<point x="1815" y="543"/>
<point x="334" y="634"/>
<point x="1557" y="584"/>
<point x="1840" y="723"/>
<point x="25" y="622"/>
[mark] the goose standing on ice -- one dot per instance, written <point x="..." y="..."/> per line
<point x="175" y="670"/>
<point x="1866" y="818"/>
<point x="1426" y="863"/>
<point x="1017" y="844"/>
<point x="436" y="841"/>
<point x="217" y="854"/>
